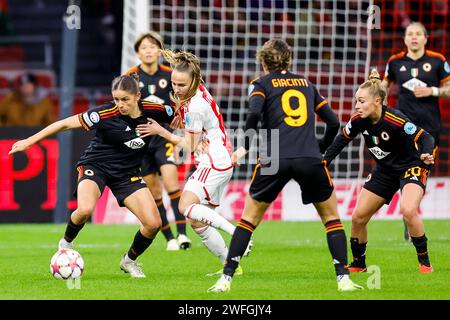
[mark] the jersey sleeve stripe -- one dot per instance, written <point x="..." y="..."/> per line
<point x="132" y="69"/>
<point x="109" y="114"/>
<point x="445" y="80"/>
<point x="80" y="118"/>
<point x="394" y="117"/>
<point x="108" y="110"/>
<point x="418" y="135"/>
<point x="165" y="68"/>
<point x="396" y="56"/>
<point x="354" y="117"/>
<point x="394" y="122"/>
<point x="346" y="136"/>
<point x="320" y="105"/>
<point x="435" y="54"/>
<point x="258" y="92"/>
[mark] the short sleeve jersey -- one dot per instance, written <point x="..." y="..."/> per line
<point x="391" y="141"/>
<point x="288" y="103"/>
<point x="116" y="146"/>
<point x="201" y="115"/>
<point x="430" y="70"/>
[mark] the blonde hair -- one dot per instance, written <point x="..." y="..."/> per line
<point x="183" y="61"/>
<point x="275" y="54"/>
<point x="374" y="85"/>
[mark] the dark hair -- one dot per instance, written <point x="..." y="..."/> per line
<point x="152" y="37"/>
<point x="276" y="54"/>
<point x="184" y="61"/>
<point x="27" y="78"/>
<point x="127" y="82"/>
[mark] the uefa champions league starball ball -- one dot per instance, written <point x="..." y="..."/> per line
<point x="66" y="264"/>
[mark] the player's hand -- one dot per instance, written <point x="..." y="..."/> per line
<point x="427" y="158"/>
<point x="422" y="92"/>
<point x="19" y="146"/>
<point x="151" y="128"/>
<point x="237" y="155"/>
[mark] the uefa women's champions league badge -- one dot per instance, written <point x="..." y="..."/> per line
<point x="410" y="128"/>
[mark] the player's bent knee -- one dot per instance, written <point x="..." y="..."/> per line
<point x="408" y="211"/>
<point x="359" y="219"/>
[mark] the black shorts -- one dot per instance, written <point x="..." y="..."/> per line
<point x="385" y="183"/>
<point x="160" y="152"/>
<point x="310" y="173"/>
<point x="120" y="187"/>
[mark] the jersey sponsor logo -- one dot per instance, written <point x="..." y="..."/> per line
<point x="128" y="128"/>
<point x="403" y="68"/>
<point x="426" y="67"/>
<point x="141" y="84"/>
<point x="410" y="128"/>
<point x="414" y="178"/>
<point x="385" y="136"/>
<point x="169" y="110"/>
<point x="162" y="83"/>
<point x="378" y="153"/>
<point x="250" y="89"/>
<point x="411" y="84"/>
<point x="446" y="67"/>
<point x="87" y="120"/>
<point x="95" y="117"/>
<point x="136" y="143"/>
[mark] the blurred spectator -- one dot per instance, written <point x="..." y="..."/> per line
<point x="28" y="105"/>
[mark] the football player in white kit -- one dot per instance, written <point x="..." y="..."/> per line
<point x="205" y="134"/>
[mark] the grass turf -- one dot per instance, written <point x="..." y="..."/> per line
<point x="290" y="260"/>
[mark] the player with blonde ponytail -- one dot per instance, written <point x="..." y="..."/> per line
<point x="391" y="139"/>
<point x="205" y="134"/>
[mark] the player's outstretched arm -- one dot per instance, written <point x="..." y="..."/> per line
<point x="61" y="125"/>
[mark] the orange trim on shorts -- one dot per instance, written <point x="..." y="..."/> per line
<point x="327" y="172"/>
<point x="254" y="172"/>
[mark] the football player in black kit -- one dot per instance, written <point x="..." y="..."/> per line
<point x="391" y="139"/>
<point x="155" y="86"/>
<point x="113" y="159"/>
<point x="289" y="103"/>
<point x="422" y="76"/>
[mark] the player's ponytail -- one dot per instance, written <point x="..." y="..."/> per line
<point x="374" y="85"/>
<point x="183" y="61"/>
<point x="127" y="82"/>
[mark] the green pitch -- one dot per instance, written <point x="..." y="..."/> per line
<point x="290" y="260"/>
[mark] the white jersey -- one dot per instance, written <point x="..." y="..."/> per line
<point x="201" y="115"/>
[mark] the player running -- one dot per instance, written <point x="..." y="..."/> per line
<point x="204" y="126"/>
<point x="113" y="159"/>
<point x="288" y="103"/>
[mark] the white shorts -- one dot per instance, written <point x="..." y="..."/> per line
<point x="208" y="184"/>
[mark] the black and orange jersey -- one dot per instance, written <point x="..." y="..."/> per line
<point x="393" y="141"/>
<point x="431" y="70"/>
<point x="288" y="104"/>
<point x="156" y="87"/>
<point x="116" y="146"/>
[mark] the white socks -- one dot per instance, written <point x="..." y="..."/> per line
<point x="208" y="216"/>
<point x="213" y="240"/>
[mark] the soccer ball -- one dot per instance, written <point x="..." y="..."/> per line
<point x="66" y="264"/>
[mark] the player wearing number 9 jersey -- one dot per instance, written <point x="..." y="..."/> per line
<point x="288" y="103"/>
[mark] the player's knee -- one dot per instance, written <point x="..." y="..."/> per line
<point x="152" y="225"/>
<point x="408" y="211"/>
<point x="183" y="206"/>
<point x="358" y="219"/>
<point x="84" y="211"/>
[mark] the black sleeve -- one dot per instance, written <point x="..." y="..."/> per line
<point x="336" y="147"/>
<point x="162" y="114"/>
<point x="329" y="117"/>
<point x="425" y="141"/>
<point x="251" y="124"/>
